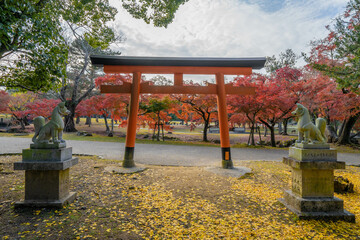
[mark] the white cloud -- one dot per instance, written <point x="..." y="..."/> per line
<point x="231" y="28"/>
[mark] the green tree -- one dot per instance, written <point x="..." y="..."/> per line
<point x="155" y="108"/>
<point x="32" y="51"/>
<point x="283" y="66"/>
<point x="80" y="81"/>
<point x="87" y="32"/>
<point x="160" y="13"/>
<point x="338" y="56"/>
<point x="345" y="34"/>
<point x="285" y="59"/>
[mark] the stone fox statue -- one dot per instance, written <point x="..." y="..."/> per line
<point x="308" y="132"/>
<point x="53" y="129"/>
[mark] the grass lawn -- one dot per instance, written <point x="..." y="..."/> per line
<point x="169" y="203"/>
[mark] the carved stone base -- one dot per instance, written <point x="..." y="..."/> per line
<point x="312" y="188"/>
<point x="312" y="145"/>
<point x="45" y="165"/>
<point x="47" y="178"/>
<point x="49" y="203"/>
<point x="307" y="154"/>
<point x="317" y="208"/>
<point x="49" y="145"/>
<point x="46" y="185"/>
<point x="38" y="155"/>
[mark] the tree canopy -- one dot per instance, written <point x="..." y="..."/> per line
<point x="345" y="38"/>
<point x="285" y="59"/>
<point x="33" y="35"/>
<point x="160" y="13"/>
<point x="32" y="54"/>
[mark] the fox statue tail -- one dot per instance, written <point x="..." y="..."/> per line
<point x="321" y="125"/>
<point x="39" y="122"/>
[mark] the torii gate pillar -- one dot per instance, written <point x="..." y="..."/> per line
<point x="178" y="67"/>
<point x="223" y="122"/>
<point x="131" y="128"/>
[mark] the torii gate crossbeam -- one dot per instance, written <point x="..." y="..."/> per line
<point x="177" y="66"/>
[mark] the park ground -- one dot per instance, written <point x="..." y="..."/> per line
<point x="169" y="203"/>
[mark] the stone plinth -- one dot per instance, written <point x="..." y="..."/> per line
<point x="45" y="145"/>
<point x="46" y="177"/>
<point x="303" y="154"/>
<point x="46" y="155"/>
<point x="312" y="192"/>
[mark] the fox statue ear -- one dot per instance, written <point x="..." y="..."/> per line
<point x="299" y="105"/>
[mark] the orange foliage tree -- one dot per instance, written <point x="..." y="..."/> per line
<point x="249" y="106"/>
<point x="203" y="107"/>
<point x="18" y="107"/>
<point x="155" y="110"/>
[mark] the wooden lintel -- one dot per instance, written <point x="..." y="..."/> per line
<point x="177" y="69"/>
<point x="125" y="88"/>
<point x="147" y="88"/>
<point x="178" y="89"/>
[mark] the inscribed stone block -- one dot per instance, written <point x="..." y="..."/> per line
<point x="313" y="183"/>
<point x="60" y="154"/>
<point x="46" y="185"/>
<point x="312" y="154"/>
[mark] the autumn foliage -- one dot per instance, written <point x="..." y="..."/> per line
<point x="275" y="98"/>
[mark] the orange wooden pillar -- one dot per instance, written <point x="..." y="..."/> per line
<point x="223" y="122"/>
<point x="131" y="128"/>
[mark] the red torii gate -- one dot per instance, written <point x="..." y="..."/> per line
<point x="177" y="66"/>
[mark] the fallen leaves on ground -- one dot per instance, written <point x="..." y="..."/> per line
<point x="171" y="203"/>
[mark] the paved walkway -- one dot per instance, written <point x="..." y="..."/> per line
<point x="168" y="155"/>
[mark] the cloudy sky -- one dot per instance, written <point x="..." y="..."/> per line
<point x="231" y="28"/>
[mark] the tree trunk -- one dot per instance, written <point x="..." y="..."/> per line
<point x="272" y="134"/>
<point x="280" y="128"/>
<point x="88" y="121"/>
<point x="112" y="125"/>
<point x="22" y="123"/>
<point x="206" y="127"/>
<point x="106" y="123"/>
<point x="331" y="134"/>
<point x="285" y="123"/>
<point x="265" y="132"/>
<point x="111" y="133"/>
<point x="341" y="127"/>
<point x="162" y="131"/>
<point x="69" y="123"/>
<point x="97" y="118"/>
<point x="158" y="132"/>
<point x="349" y="123"/>
<point x="77" y="120"/>
<point x="272" y="131"/>
<point x="69" y="119"/>
<point x="260" y="136"/>
<point x="251" y="140"/>
<point x="252" y="135"/>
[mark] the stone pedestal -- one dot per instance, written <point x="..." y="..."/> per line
<point x="312" y="192"/>
<point x="46" y="176"/>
